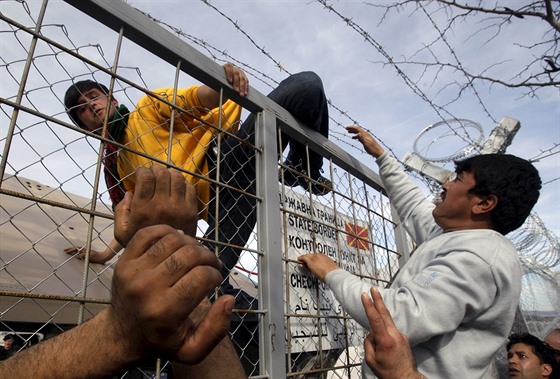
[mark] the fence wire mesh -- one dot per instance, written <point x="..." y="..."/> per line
<point x="54" y="197"/>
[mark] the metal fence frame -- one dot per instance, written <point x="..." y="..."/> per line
<point x="137" y="28"/>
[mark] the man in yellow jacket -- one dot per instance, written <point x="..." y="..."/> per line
<point x="191" y="127"/>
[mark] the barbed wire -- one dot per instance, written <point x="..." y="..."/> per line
<point x="538" y="247"/>
<point x="339" y="134"/>
<point x="535" y="231"/>
<point x="535" y="243"/>
<point x="214" y="52"/>
<point x="438" y="109"/>
<point x="470" y="83"/>
<point x="458" y="66"/>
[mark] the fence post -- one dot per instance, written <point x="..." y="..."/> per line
<point x="271" y="294"/>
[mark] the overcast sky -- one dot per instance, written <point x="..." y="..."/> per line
<point x="304" y="35"/>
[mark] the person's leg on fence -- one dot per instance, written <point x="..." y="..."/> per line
<point x="304" y="97"/>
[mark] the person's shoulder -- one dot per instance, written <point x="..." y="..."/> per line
<point x="494" y="248"/>
<point x="486" y="244"/>
<point x="165" y="93"/>
<point x="480" y="236"/>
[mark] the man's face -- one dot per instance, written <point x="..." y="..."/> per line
<point x="8" y="343"/>
<point x="456" y="202"/>
<point x="524" y="364"/>
<point x="92" y="108"/>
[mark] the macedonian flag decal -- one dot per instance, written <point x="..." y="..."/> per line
<point x="357" y="236"/>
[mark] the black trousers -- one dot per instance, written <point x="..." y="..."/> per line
<point x="303" y="96"/>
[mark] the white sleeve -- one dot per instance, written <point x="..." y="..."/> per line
<point x="347" y="289"/>
<point x="434" y="302"/>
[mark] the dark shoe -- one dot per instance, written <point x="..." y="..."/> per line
<point x="320" y="185"/>
<point x="295" y="175"/>
<point x="292" y="174"/>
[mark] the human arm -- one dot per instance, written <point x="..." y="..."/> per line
<point x="158" y="285"/>
<point x="323" y="267"/>
<point x="153" y="111"/>
<point x="453" y="281"/>
<point x="96" y="256"/>
<point x="387" y="351"/>
<point x="410" y="203"/>
<point x="161" y="196"/>
<point x="160" y="278"/>
<point x="318" y="264"/>
<point x="371" y="146"/>
<point x="210" y="98"/>
<point x="222" y="362"/>
<point x="444" y="285"/>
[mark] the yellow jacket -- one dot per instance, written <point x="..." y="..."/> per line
<point x="148" y="130"/>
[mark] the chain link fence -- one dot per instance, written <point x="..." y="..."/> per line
<point x="54" y="196"/>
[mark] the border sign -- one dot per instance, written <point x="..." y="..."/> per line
<point x="314" y="227"/>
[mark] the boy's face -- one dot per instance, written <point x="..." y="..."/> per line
<point x="92" y="108"/>
<point x="524" y="364"/>
<point x="8" y="343"/>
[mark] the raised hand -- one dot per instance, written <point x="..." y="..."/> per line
<point x="387" y="350"/>
<point x="161" y="196"/>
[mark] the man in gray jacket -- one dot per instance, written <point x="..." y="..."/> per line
<point x="456" y="297"/>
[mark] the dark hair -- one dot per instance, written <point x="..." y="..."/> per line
<point x="73" y="95"/>
<point x="541" y="350"/>
<point x="8" y="337"/>
<point x="513" y="180"/>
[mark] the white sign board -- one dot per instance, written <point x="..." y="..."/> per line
<point x="317" y="229"/>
